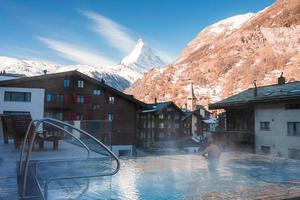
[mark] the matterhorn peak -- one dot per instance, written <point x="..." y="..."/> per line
<point x="142" y="58"/>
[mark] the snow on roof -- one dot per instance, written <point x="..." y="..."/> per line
<point x="4" y="78"/>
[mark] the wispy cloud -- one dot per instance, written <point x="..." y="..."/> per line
<point x="116" y="35"/>
<point x="76" y="53"/>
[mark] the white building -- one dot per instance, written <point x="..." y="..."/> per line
<point x="265" y="118"/>
<point x="22" y="100"/>
<point x="277" y="129"/>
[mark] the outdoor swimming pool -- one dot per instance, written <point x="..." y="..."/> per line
<point x="176" y="177"/>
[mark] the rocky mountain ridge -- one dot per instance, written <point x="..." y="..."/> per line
<point x="225" y="58"/>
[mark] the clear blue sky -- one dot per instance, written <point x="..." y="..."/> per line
<point x="104" y="31"/>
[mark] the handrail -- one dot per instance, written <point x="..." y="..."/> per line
<point x="35" y="128"/>
<point x="51" y="122"/>
<point x="24" y="144"/>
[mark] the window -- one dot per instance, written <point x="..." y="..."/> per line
<point x="66" y="83"/>
<point x="149" y="124"/>
<point x="293" y="128"/>
<point x="54" y="115"/>
<point x="177" y="125"/>
<point x="264" y="126"/>
<point x="161" y="116"/>
<point x="292" y="106"/>
<point x="161" y="125"/>
<point x="169" y="116"/>
<point x="79" y="116"/>
<point x="161" y="135"/>
<point x="169" y="125"/>
<point x="169" y="109"/>
<point x="49" y="97"/>
<point x="16" y="112"/>
<point x="110" y="117"/>
<point x="142" y="134"/>
<point x="80" y="99"/>
<point x="265" y="149"/>
<point x="176" y="116"/>
<point x="60" y="98"/>
<point x="294" y="154"/>
<point x="153" y="124"/>
<point x="17" y="96"/>
<point x="96" y="107"/>
<point x="111" y="100"/>
<point x="80" y="84"/>
<point x="96" y="92"/>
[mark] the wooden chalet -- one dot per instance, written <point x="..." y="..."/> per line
<point x="74" y="96"/>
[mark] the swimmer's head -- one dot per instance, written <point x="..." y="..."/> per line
<point x="210" y="141"/>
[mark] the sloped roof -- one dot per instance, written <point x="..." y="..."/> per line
<point x="159" y="106"/>
<point x="288" y="91"/>
<point x="187" y="115"/>
<point x="74" y="72"/>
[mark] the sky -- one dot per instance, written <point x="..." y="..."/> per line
<point x="102" y="32"/>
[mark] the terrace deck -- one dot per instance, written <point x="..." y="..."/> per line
<point x="9" y="158"/>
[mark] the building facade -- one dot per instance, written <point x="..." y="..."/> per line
<point x="15" y="100"/>
<point x="192" y="124"/>
<point x="266" y="118"/>
<point x="277" y="129"/>
<point x="160" y="124"/>
<point x="71" y="96"/>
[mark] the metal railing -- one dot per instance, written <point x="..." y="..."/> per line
<point x="36" y="125"/>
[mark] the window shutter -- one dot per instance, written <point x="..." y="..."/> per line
<point x="73" y="117"/>
<point x="66" y="98"/>
<point x="65" y="116"/>
<point x="86" y="99"/>
<point x="86" y="116"/>
<point x="74" y="98"/>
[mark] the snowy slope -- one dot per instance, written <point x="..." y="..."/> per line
<point x="120" y="76"/>
<point x="229" y="24"/>
<point x="226" y="57"/>
<point x="211" y="33"/>
<point x="142" y="58"/>
<point x="26" y="67"/>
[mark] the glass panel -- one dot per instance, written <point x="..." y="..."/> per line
<point x="17" y="96"/>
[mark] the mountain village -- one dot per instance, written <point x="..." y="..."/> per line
<point x="236" y="85"/>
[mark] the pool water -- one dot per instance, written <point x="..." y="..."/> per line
<point x="176" y="177"/>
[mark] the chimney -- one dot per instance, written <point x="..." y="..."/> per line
<point x="185" y="106"/>
<point x="155" y="100"/>
<point x="45" y="71"/>
<point x="255" y="88"/>
<point x="281" y="79"/>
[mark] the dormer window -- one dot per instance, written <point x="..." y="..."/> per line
<point x="111" y="100"/>
<point x="80" y="83"/>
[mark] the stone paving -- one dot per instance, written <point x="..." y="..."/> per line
<point x="8" y="163"/>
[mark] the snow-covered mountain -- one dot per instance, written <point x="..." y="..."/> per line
<point x="120" y="76"/>
<point x="226" y="57"/>
<point x="142" y="58"/>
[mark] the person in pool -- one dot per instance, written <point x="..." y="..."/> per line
<point x="212" y="153"/>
